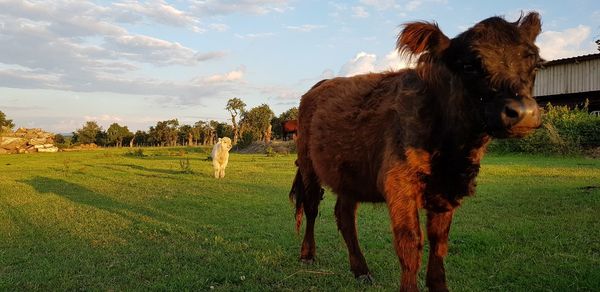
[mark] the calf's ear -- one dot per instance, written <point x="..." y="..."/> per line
<point x="421" y="37"/>
<point x="531" y="25"/>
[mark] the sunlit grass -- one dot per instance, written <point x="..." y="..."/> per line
<point x="103" y="220"/>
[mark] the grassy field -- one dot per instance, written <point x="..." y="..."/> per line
<point x="103" y="220"/>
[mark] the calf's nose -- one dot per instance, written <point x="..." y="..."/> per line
<point x="522" y="113"/>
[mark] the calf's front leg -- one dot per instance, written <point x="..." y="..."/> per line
<point x="438" y="228"/>
<point x="403" y="189"/>
<point x="408" y="239"/>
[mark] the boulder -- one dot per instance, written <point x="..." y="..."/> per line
<point x="37" y="141"/>
<point x="49" y="149"/>
<point x="11" y="143"/>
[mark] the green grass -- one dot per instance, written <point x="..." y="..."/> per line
<point x="103" y="220"/>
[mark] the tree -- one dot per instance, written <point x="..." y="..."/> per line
<point x="5" y="124"/>
<point x="59" y="139"/>
<point x="186" y="135"/>
<point x="117" y="133"/>
<point x="257" y="122"/>
<point x="291" y="114"/>
<point x="74" y="137"/>
<point x="224" y="130"/>
<point x="102" y="138"/>
<point x="141" y="138"/>
<point x="195" y="131"/>
<point x="200" y="127"/>
<point x="213" y="125"/>
<point x="236" y="107"/>
<point x="62" y="141"/>
<point x="165" y="132"/>
<point x="87" y="134"/>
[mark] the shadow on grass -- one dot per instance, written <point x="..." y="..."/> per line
<point x="84" y="196"/>
<point x="155" y="170"/>
<point x="122" y="168"/>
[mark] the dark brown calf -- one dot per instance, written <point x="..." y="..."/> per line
<point x="414" y="138"/>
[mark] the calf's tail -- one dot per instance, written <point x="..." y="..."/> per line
<point x="306" y="194"/>
<point x="297" y="196"/>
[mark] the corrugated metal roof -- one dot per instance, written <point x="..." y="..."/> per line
<point x="575" y="59"/>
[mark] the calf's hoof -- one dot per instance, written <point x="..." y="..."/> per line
<point x="437" y="288"/>
<point x="365" y="279"/>
<point x="307" y="261"/>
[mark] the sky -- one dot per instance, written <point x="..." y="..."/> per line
<point x="63" y="63"/>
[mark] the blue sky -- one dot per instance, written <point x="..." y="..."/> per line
<point x="137" y="62"/>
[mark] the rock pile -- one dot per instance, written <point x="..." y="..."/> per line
<point x="27" y="141"/>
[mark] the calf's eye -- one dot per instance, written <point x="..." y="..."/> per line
<point x="469" y="69"/>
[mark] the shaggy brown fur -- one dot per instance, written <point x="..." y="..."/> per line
<point x="414" y="138"/>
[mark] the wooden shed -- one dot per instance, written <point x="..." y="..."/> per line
<point x="570" y="81"/>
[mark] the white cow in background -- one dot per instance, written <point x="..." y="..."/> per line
<point x="220" y="156"/>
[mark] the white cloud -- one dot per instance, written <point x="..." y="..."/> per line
<point x="406" y="6"/>
<point x="235" y="75"/>
<point x="151" y="50"/>
<point x="282" y="92"/>
<point x="364" y="63"/>
<point x="73" y="46"/>
<point x="361" y="63"/>
<point x="29" y="79"/>
<point x="251" y="36"/>
<point x="221" y="27"/>
<point x="413" y="5"/>
<point x="327" y="74"/>
<point x="393" y="61"/>
<point x="103" y="118"/>
<point x="416" y="4"/>
<point x="567" y="43"/>
<point x="222" y="7"/>
<point x="158" y="11"/>
<point x="304" y="27"/>
<point x="359" y="12"/>
<point x="380" y="4"/>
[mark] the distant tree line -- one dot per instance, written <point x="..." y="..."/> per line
<point x="164" y="133"/>
<point x="257" y="124"/>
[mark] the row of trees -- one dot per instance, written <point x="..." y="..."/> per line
<point x="164" y="133"/>
<point x="247" y="126"/>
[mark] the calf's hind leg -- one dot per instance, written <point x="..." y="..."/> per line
<point x="314" y="194"/>
<point x="345" y="214"/>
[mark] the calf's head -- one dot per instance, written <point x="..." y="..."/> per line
<point x="225" y="143"/>
<point x="496" y="62"/>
